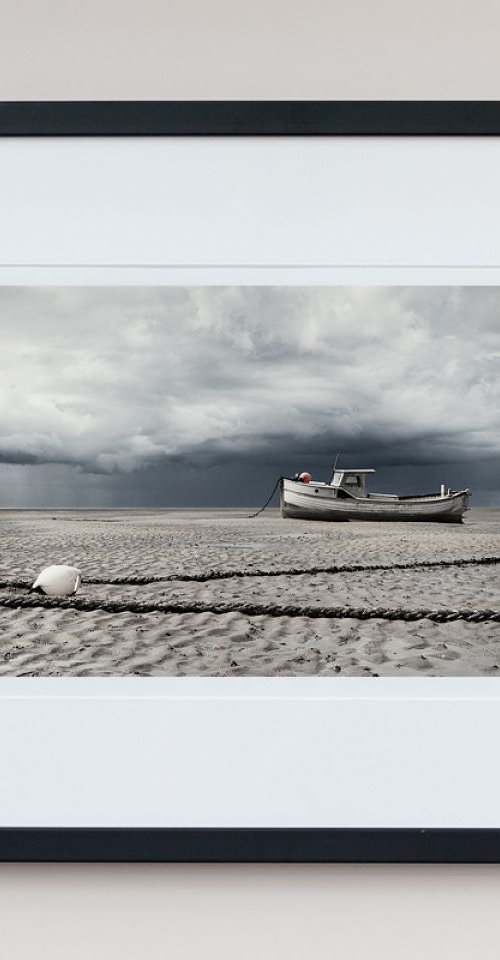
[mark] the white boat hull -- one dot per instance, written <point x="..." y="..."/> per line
<point x="309" y="502"/>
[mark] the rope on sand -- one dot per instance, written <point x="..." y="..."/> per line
<point x="89" y="605"/>
<point x="268" y="501"/>
<point x="290" y="572"/>
<point x="140" y="581"/>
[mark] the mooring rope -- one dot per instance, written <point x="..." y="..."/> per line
<point x="90" y="605"/>
<point x="268" y="501"/>
<point x="140" y="581"/>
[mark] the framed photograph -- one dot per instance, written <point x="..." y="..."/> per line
<point x="250" y="481"/>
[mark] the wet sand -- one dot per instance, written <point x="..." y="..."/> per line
<point x="128" y="543"/>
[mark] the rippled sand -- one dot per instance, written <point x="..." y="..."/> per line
<point x="107" y="544"/>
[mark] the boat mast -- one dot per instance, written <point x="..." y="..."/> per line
<point x="337" y="458"/>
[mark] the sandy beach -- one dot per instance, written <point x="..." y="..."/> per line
<point x="163" y="543"/>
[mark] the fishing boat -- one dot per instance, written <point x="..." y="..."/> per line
<point x="346" y="497"/>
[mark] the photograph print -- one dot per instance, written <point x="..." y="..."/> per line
<point x="271" y="481"/>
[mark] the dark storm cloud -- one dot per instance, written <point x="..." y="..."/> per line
<point x="141" y="382"/>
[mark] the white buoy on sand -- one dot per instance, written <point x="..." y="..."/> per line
<point x="58" y="581"/>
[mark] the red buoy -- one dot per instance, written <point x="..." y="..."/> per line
<point x="305" y="477"/>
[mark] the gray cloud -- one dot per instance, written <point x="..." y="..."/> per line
<point x="143" y="383"/>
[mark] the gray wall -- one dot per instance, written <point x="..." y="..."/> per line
<point x="249" y="49"/>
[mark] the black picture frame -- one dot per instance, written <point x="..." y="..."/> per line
<point x="126" y="118"/>
<point x="256" y="119"/>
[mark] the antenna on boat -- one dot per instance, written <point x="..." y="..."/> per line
<point x="337" y="458"/>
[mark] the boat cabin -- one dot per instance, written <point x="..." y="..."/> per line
<point x="350" y="483"/>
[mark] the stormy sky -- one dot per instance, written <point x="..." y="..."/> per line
<point x="203" y="396"/>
